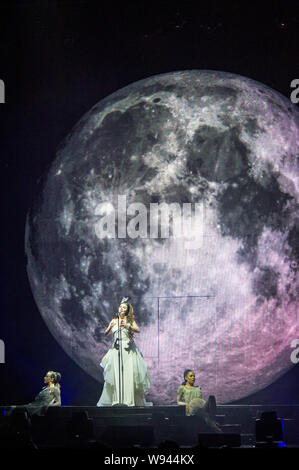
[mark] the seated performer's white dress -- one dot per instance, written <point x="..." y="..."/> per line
<point x="192" y="397"/>
<point x="135" y="381"/>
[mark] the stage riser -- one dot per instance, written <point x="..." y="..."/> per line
<point x="167" y="422"/>
<point x="57" y="436"/>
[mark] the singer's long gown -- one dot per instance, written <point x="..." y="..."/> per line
<point x="135" y="381"/>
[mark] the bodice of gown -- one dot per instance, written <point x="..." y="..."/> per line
<point x="124" y="334"/>
<point x="193" y="398"/>
<point x="189" y="393"/>
<point x="46" y="396"/>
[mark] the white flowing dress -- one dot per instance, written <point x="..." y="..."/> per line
<point x="134" y="377"/>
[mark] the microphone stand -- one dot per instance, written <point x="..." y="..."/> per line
<point x="120" y="363"/>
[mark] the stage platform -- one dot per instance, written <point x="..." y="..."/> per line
<point x="151" y="425"/>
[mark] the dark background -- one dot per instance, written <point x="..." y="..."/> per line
<point x="59" y="58"/>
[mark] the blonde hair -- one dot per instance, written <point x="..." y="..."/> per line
<point x="129" y="313"/>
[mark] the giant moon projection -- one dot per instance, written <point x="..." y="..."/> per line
<point x="217" y="292"/>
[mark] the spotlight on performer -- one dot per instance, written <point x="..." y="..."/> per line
<point x="269" y="430"/>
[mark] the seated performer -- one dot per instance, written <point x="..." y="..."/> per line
<point x="48" y="396"/>
<point x="125" y="372"/>
<point x="190" y="396"/>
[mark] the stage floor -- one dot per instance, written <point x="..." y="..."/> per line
<point x="151" y="425"/>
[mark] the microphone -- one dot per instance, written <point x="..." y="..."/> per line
<point x="117" y="315"/>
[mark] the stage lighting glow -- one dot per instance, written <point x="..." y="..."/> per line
<point x="269" y="429"/>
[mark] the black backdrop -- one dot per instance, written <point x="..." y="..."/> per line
<point x="58" y="58"/>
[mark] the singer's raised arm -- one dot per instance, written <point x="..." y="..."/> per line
<point x="109" y="326"/>
<point x="134" y="327"/>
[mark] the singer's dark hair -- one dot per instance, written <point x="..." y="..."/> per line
<point x="56" y="376"/>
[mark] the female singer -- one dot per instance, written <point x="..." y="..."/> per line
<point x="125" y="372"/>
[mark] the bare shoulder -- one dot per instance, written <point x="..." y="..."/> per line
<point x="56" y="390"/>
